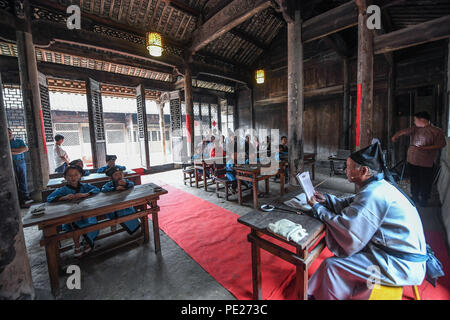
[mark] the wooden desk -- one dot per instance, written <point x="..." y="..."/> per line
<point x="67" y="212"/>
<point x="304" y="252"/>
<point x="302" y="256"/>
<point x="252" y="173"/>
<point x="203" y="164"/>
<point x="96" y="179"/>
<point x="308" y="158"/>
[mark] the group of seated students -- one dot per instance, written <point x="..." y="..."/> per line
<point x="75" y="190"/>
<point x="211" y="149"/>
<point x="110" y="162"/>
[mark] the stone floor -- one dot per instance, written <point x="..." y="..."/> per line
<point x="136" y="272"/>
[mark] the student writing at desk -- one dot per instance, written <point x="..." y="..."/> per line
<point x="75" y="190"/>
<point x="118" y="183"/>
<point x="110" y="162"/>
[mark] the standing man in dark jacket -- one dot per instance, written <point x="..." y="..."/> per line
<point x="18" y="149"/>
<point x="425" y="142"/>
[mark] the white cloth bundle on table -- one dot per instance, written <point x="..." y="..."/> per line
<point x="288" y="230"/>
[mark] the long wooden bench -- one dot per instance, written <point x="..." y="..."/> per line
<point x="142" y="197"/>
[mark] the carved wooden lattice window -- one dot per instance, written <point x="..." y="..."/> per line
<point x="214" y="116"/>
<point x="175" y="116"/>
<point x="140" y="116"/>
<point x="45" y="106"/>
<point x="97" y="111"/>
<point x="206" y="120"/>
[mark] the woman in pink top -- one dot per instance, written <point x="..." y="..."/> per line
<point x="425" y="142"/>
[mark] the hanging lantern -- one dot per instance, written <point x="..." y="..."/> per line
<point x="260" y="76"/>
<point x="154" y="44"/>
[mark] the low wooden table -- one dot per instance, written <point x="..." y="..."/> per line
<point x="308" y="158"/>
<point x="96" y="179"/>
<point x="67" y="212"/>
<point x="304" y="252"/>
<point x="302" y="256"/>
<point x="204" y="164"/>
<point x="252" y="173"/>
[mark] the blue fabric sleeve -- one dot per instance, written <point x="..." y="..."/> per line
<point x="354" y="226"/>
<point x="101" y="169"/>
<point x="89" y="188"/>
<point x="20" y="143"/>
<point x="58" y="193"/>
<point x="130" y="184"/>
<point x="108" y="187"/>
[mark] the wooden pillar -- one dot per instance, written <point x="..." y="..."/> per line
<point x="162" y="128"/>
<point x="235" y="112"/>
<point x="15" y="273"/>
<point x="29" y="84"/>
<point x="96" y="123"/>
<point x="344" y="141"/>
<point x="364" y="103"/>
<point x="189" y="110"/>
<point x="390" y="114"/>
<point x="295" y="97"/>
<point x="252" y="110"/>
<point x="447" y="93"/>
<point x="143" y="126"/>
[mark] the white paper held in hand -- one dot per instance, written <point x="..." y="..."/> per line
<point x="305" y="182"/>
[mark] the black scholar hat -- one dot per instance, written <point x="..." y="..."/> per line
<point x="112" y="170"/>
<point x="110" y="157"/>
<point x="371" y="157"/>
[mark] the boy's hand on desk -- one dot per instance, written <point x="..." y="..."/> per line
<point x="70" y="196"/>
<point x="120" y="188"/>
<point x="80" y="196"/>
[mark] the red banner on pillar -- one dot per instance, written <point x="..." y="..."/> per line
<point x="358" y="113"/>
<point x="43" y="132"/>
<point x="188" y="128"/>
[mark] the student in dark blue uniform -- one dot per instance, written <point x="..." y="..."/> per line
<point x="79" y="162"/>
<point x="18" y="149"/>
<point x="118" y="183"/>
<point x="110" y="162"/>
<point x="75" y="190"/>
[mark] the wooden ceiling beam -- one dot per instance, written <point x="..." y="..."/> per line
<point x="429" y="31"/>
<point x="46" y="33"/>
<point x="226" y="19"/>
<point x="108" y="22"/>
<point x="332" y="21"/>
<point x="108" y="57"/>
<point x="182" y="7"/>
<point x="78" y="73"/>
<point x="249" y="38"/>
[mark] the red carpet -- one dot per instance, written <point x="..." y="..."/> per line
<point x="212" y="236"/>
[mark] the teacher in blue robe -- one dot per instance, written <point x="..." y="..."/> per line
<point x="375" y="235"/>
<point x="72" y="191"/>
<point x="118" y="183"/>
